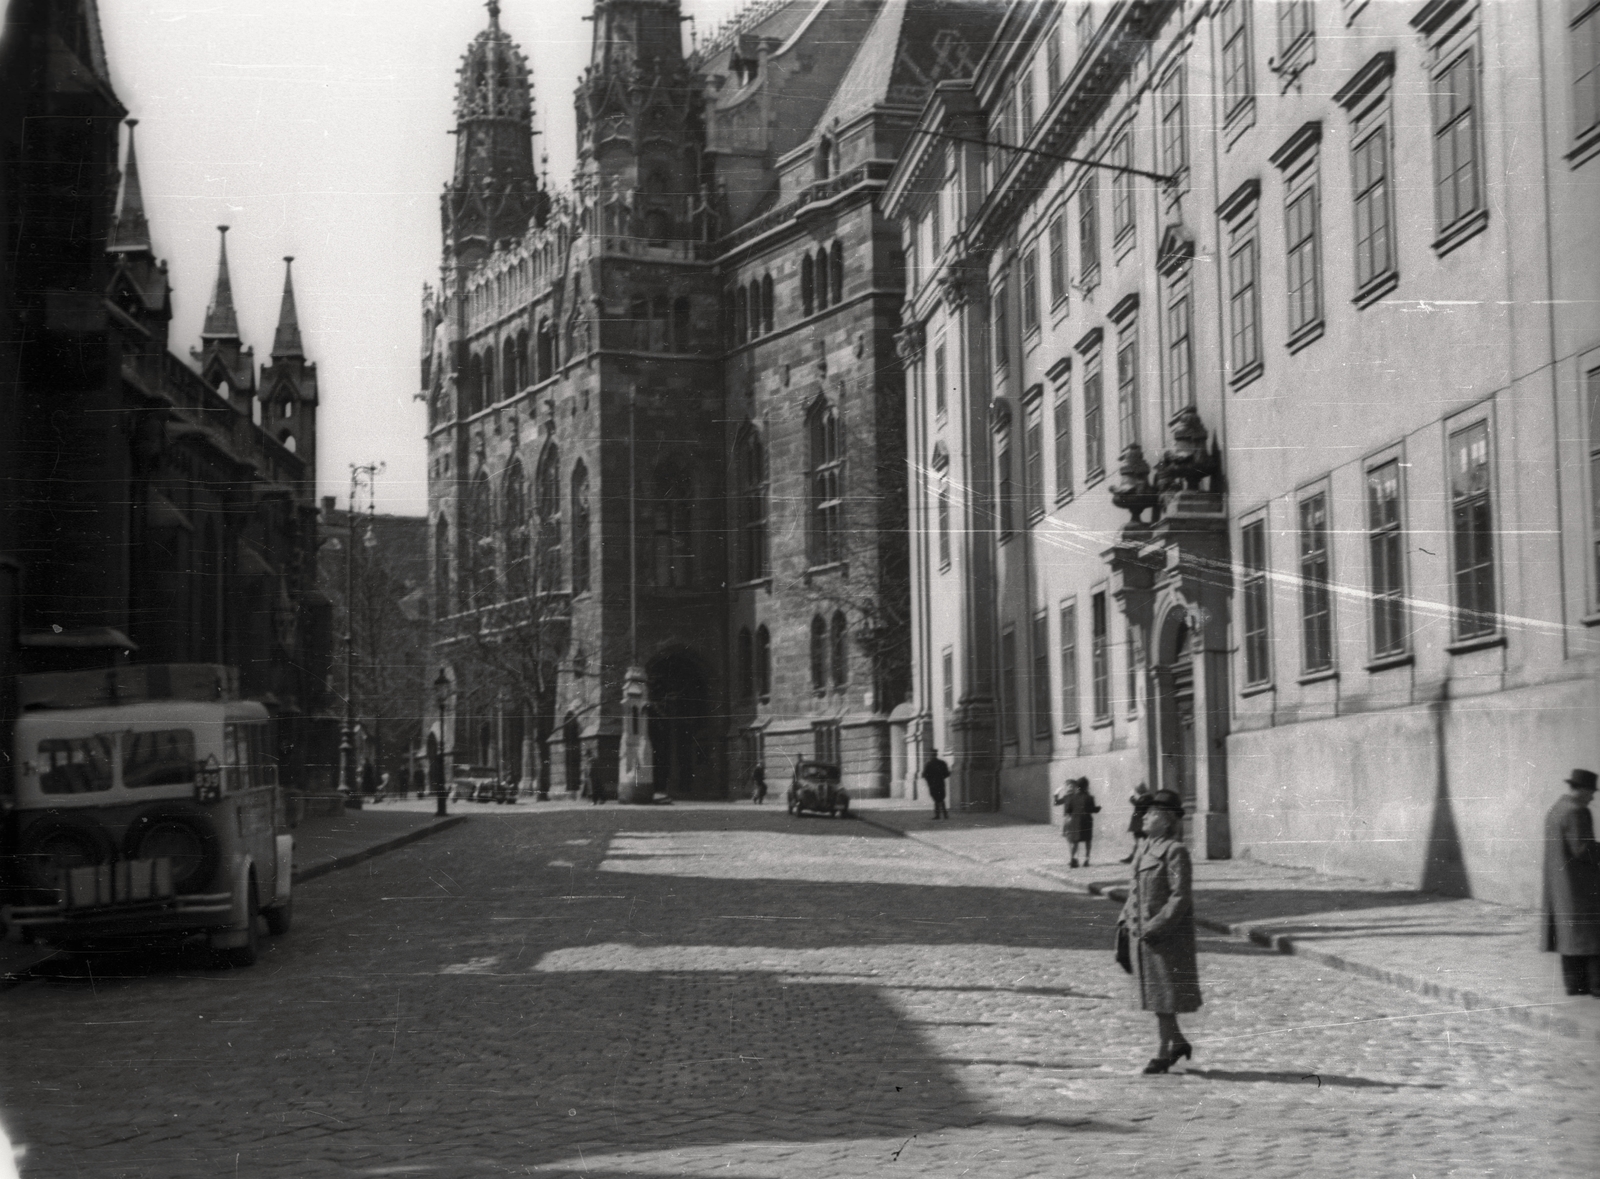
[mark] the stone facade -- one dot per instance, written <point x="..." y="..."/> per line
<point x="1249" y="468"/>
<point x="666" y="411"/>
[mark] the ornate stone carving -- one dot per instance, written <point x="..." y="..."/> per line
<point x="1189" y="461"/>
<point x="909" y="342"/>
<point x="1135" y="493"/>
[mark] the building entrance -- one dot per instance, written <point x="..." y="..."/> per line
<point x="1175" y="713"/>
<point x="680" y="726"/>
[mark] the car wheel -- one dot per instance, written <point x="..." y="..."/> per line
<point x="239" y="957"/>
<point x="279" y="917"/>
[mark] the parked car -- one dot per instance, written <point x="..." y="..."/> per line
<point x="815" y="787"/>
<point x="505" y="790"/>
<point x="473" y="784"/>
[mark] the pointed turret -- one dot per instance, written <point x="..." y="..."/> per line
<point x="222" y="323"/>
<point x="286" y="341"/>
<point x="131" y="232"/>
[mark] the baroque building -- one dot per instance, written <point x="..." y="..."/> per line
<point x="1254" y="373"/>
<point x="665" y="408"/>
<point x="156" y="511"/>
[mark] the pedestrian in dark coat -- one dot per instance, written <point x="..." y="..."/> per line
<point x="369" y="778"/>
<point x="1159" y="919"/>
<point x="591" y="780"/>
<point x="758" y="783"/>
<point x="1080" y="809"/>
<point x="936" y="773"/>
<point x="1140" y="801"/>
<point x="1572" y="886"/>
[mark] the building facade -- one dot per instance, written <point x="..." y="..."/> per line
<point x="156" y="510"/>
<point x="666" y="407"/>
<point x="1253" y="367"/>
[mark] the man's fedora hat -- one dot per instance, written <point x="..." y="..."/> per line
<point x="1582" y="780"/>
<point x="1167" y="800"/>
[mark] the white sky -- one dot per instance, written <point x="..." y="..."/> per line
<point x="318" y="128"/>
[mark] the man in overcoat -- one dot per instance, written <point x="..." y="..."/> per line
<point x="1571" y="925"/>
<point x="936" y="772"/>
<point x="1159" y="919"/>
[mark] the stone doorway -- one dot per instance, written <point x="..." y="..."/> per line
<point x="680" y="726"/>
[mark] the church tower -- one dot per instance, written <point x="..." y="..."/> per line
<point x="226" y="364"/>
<point x="494" y="192"/>
<point x="289" y="384"/>
<point x="138" y="282"/>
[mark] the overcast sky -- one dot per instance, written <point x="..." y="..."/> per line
<point x="318" y="128"/>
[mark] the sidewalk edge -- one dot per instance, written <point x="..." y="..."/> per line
<point x="350" y="859"/>
<point x="1536" y="1016"/>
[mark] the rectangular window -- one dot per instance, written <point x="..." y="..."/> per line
<point x="1027" y="103"/>
<point x="1386" y="550"/>
<point x="938" y="380"/>
<point x="1244" y="300"/>
<point x="1005" y="492"/>
<point x="1180" y="345"/>
<point x="83" y="765"/>
<point x="1135" y="653"/>
<point x="936" y="227"/>
<point x="1122" y="210"/>
<point x="1052" y="59"/>
<point x="1089" y="232"/>
<point x="1316" y="606"/>
<point x="943" y="495"/>
<point x="1085" y="22"/>
<point x="1238" y="86"/>
<point x="1033" y="459"/>
<point x="1094" y="439"/>
<point x="1304" y="257"/>
<point x="1002" y="329"/>
<point x="1100" y="656"/>
<point x="1063" y="426"/>
<point x="1128" y="382"/>
<point x="1585" y="66"/>
<point x="1593" y="382"/>
<point x="1458" y="190"/>
<point x="1008" y="686"/>
<point x="1472" y="531"/>
<point x="1294" y="24"/>
<point x="1030" y="290"/>
<point x="1173" y="132"/>
<point x="825" y="742"/>
<point x="1257" y="656"/>
<point x="1069" y="666"/>
<point x="1058" y="262"/>
<point x="1374" y="250"/>
<point x="1041" y="676"/>
<point x="948" y="668"/>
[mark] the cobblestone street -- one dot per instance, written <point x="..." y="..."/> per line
<point x="709" y="990"/>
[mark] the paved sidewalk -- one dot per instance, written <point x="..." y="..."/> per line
<point x="1480" y="956"/>
<point x="327" y="843"/>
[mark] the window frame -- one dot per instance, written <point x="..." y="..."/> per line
<point x="1094" y="441"/>
<point x="1178" y="375"/>
<point x="1590" y="394"/>
<point x="1029" y="265"/>
<point x="1067" y="647"/>
<point x="1583" y="39"/>
<point x="1008" y="685"/>
<point x="1386" y="573"/>
<point x="826" y="482"/>
<point x="1318" y="649"/>
<point x="1255" y="601"/>
<point x="1100" y="656"/>
<point x="1299" y="159"/>
<point x="1061" y="424"/>
<point x="1485" y="497"/>
<point x="1242" y="224"/>
<point x="1454" y="225"/>
<point x="1055" y="237"/>
<point x="1039" y="677"/>
<point x="1088" y="197"/>
<point x="1236" y="40"/>
<point x="1128" y="416"/>
<point x="1172" y="128"/>
<point x="1033" y="490"/>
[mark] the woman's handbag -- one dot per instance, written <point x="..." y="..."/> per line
<point x="1124" y="948"/>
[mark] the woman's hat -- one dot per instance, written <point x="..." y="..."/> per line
<point x="1167" y="800"/>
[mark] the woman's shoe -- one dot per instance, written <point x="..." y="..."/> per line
<point x="1074" y="864"/>
<point x="1180" y="1050"/>
<point x="1158" y="1064"/>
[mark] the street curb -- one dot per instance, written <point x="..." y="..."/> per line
<point x="1536" y="1016"/>
<point x="350" y="859"/>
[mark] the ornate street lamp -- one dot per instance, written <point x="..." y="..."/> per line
<point x="441" y="693"/>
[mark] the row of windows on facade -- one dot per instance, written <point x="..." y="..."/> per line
<point x="830" y="658"/>
<point x="827" y="745"/>
<point x="750" y="308"/>
<point x="515" y="284"/>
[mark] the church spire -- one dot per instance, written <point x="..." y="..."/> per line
<point x="287" y="340"/>
<point x="131" y="233"/>
<point x="222" y="323"/>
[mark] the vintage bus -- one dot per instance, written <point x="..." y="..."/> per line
<point x="147" y="819"/>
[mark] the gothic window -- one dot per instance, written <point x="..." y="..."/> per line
<point x="755" y="308"/>
<point x="486" y="391"/>
<point x="808" y="292"/>
<point x="827" y="491"/>
<point x="546" y="351"/>
<point x="657" y="227"/>
<point x="823" y="159"/>
<point x="474" y="398"/>
<point x="837" y="272"/>
<point x="763" y="663"/>
<point x="822" y="280"/>
<point x="547" y="506"/>
<point x="673" y="556"/>
<point x="839" y="649"/>
<point x="514" y="520"/>
<point x="524" y="372"/>
<point x="441" y="567"/>
<point x="819" y="654"/>
<point x="580" y="528"/>
<point x="741" y="315"/>
<point x="681" y="341"/>
<point x="747" y="664"/>
<point x="659" y="323"/>
<point x="766" y="302"/>
<point x="508" y="371"/>
<point x="752" y="541"/>
<point x="477" y="543"/>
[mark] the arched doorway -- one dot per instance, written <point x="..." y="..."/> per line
<point x="1174" y="674"/>
<point x="680" y="725"/>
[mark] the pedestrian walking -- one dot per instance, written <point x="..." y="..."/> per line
<point x="1079" y="809"/>
<point x="936" y="773"/>
<point x="1158" y="923"/>
<point x="369" y="778"/>
<point x="385" y="784"/>
<point x="1140" y="801"/>
<point x="758" y="784"/>
<point x="591" y="780"/>
<point x="1572" y="886"/>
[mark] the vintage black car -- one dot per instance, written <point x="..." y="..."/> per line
<point x="815" y="787"/>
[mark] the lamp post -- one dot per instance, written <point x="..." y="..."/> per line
<point x="441" y="693"/>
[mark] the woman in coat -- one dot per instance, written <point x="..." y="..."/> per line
<point x="1159" y="918"/>
<point x="1080" y="808"/>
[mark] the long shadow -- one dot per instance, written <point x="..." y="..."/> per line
<point x="1267" y="904"/>
<point x="1311" y="1080"/>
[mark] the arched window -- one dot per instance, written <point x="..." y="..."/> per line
<point x="580" y="528"/>
<point x="826" y="534"/>
<point x="474" y="398"/>
<point x="441" y="569"/>
<point x="838" y="273"/>
<point x="514" y="520"/>
<point x="823" y="158"/>
<point x="486" y="395"/>
<point x="657" y="227"/>
<point x="287" y="439"/>
<point x="766" y="302"/>
<point x="747" y="664"/>
<point x="808" y="291"/>
<point x="547" y="506"/>
<point x="755" y="309"/>
<point x="477" y="543"/>
<point x="822" y="279"/>
<point x="545" y="353"/>
<point x="763" y="663"/>
<point x="680" y="325"/>
<point x="741" y="315"/>
<point x="752" y="541"/>
<point x="819" y="654"/>
<point x="673" y="562"/>
<point x="659" y="323"/>
<point x="508" y="371"/>
<point x="840" y="650"/>
<point x="639" y="321"/>
<point x="524" y="368"/>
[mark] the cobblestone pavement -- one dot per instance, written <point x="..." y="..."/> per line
<point x="727" y="991"/>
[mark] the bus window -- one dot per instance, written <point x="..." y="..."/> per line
<point x="76" y="765"/>
<point x="164" y="757"/>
